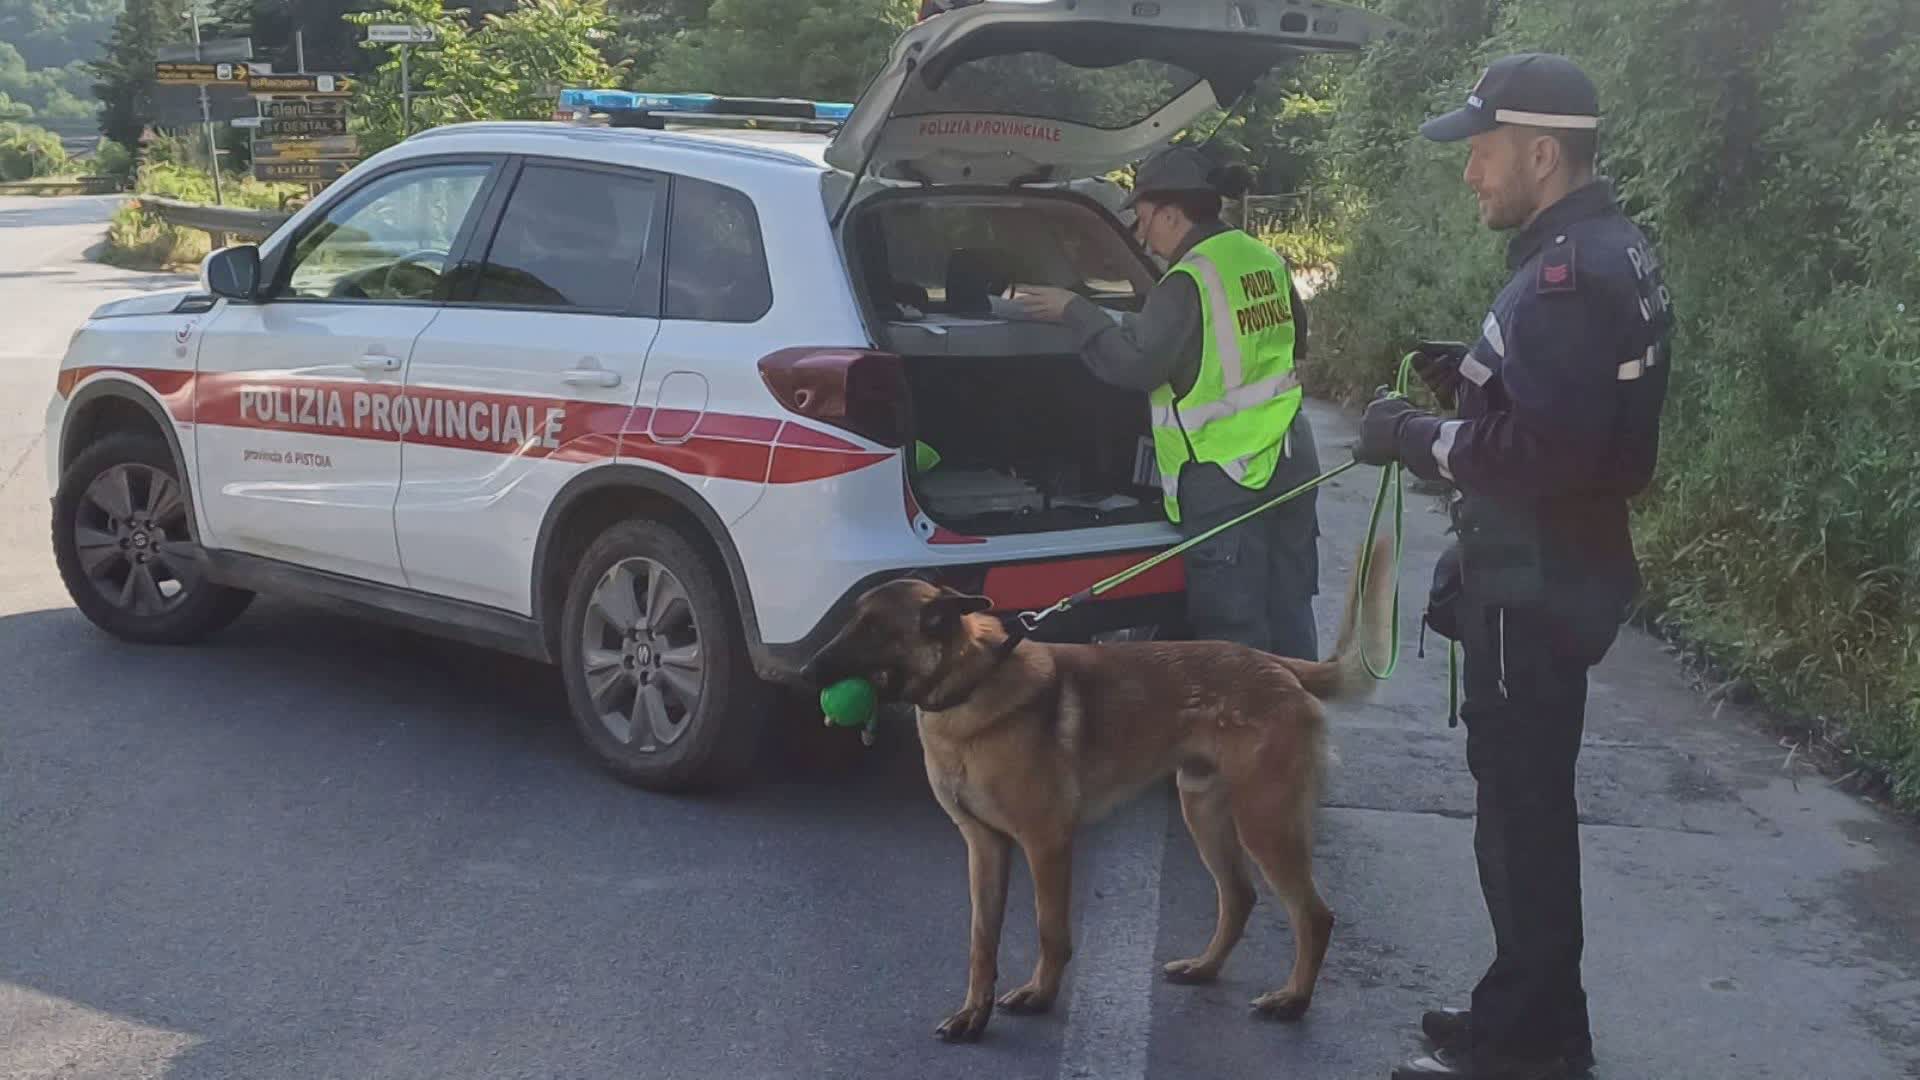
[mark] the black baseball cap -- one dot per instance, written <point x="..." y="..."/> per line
<point x="1535" y="89"/>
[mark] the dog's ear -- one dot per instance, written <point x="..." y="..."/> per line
<point x="941" y="614"/>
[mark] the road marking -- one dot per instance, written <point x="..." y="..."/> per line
<point x="1110" y="1015"/>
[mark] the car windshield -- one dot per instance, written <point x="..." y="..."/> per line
<point x="953" y="253"/>
<point x="1040" y="85"/>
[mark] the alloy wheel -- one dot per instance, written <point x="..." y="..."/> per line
<point x="131" y="537"/>
<point x="642" y="655"/>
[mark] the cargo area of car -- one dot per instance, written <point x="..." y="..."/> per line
<point x="1026" y="438"/>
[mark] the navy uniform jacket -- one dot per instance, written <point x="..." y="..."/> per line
<point x="1560" y="399"/>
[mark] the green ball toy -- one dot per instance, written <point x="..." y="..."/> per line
<point x="849" y="703"/>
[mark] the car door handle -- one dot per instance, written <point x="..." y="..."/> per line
<point x="590" y="377"/>
<point x="377" y="362"/>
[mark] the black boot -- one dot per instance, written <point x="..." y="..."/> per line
<point x="1458" y="1065"/>
<point x="1448" y="1029"/>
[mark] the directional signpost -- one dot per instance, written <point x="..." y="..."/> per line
<point x="301" y="132"/>
<point x="314" y="171"/>
<point x="332" y="146"/>
<point x="300" y="108"/>
<point x="180" y="73"/>
<point x="406" y="37"/>
<point x="204" y="64"/>
<point x="393" y="34"/>
<point x="307" y="127"/>
<point x="307" y="85"/>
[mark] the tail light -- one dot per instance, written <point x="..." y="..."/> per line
<point x="851" y="389"/>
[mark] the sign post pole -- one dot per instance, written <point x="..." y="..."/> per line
<point x="406" y="36"/>
<point x="206" y="112"/>
<point x="406" y="94"/>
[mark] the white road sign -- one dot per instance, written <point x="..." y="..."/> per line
<point x="401" y="35"/>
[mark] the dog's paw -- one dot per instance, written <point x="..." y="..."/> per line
<point x="1191" y="972"/>
<point x="1027" y="1001"/>
<point x="965" y="1025"/>
<point x="1282" y="1005"/>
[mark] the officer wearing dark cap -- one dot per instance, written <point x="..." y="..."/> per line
<point x="1214" y="349"/>
<point x="1557" y="426"/>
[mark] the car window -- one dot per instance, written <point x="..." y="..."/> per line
<point x="572" y="238"/>
<point x="390" y="240"/>
<point x="716" y="261"/>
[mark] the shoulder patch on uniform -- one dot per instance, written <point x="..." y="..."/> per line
<point x="1556" y="273"/>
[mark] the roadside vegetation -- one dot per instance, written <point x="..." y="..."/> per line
<point x="139" y="240"/>
<point x="29" y="153"/>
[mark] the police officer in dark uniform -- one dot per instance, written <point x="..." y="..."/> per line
<point x="1557" y="426"/>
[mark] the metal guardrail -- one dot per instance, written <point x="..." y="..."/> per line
<point x="218" y="222"/>
<point x="84" y="185"/>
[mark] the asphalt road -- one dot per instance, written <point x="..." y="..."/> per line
<point x="318" y="848"/>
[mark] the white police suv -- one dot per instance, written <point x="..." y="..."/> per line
<point x="653" y="395"/>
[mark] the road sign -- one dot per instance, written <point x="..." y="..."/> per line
<point x="301" y="128"/>
<point x="172" y="73"/>
<point x="312" y="85"/>
<point x="246" y="122"/>
<point x="211" y="49"/>
<point x="302" y="108"/>
<point x="401" y="35"/>
<point x="317" y="171"/>
<point x="335" y="146"/>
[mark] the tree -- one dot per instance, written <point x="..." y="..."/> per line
<point x="125" y="74"/>
<point x="829" y="49"/>
<point x="55" y="33"/>
<point x="500" y="71"/>
<point x="644" y="29"/>
<point x="331" y="43"/>
<point x="27" y="152"/>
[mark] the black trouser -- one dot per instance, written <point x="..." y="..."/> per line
<point x="1525" y="710"/>
<point x="1254" y="584"/>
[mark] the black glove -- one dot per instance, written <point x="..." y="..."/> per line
<point x="1380" y="430"/>
<point x="1438" y="365"/>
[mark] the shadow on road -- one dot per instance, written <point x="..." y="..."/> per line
<point x="320" y="846"/>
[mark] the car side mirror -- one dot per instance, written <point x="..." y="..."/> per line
<point x="232" y="272"/>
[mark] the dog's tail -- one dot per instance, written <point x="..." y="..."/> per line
<point x="1367" y="624"/>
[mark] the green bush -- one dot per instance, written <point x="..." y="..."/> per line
<point x="28" y="152"/>
<point x="1772" y="153"/>
<point x="139" y="240"/>
<point x="112" y="159"/>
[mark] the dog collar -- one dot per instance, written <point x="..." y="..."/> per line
<point x="1001" y="653"/>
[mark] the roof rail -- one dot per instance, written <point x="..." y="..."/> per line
<point x="631" y="108"/>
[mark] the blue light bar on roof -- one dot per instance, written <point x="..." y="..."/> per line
<point x="617" y="101"/>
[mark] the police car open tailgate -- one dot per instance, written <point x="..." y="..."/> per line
<point x="1008" y="91"/>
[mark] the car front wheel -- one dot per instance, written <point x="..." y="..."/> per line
<point x="124" y="544"/>
<point x="655" y="664"/>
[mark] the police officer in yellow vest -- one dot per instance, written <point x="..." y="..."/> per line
<point x="1214" y="349"/>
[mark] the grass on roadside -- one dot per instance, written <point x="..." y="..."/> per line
<point x="138" y="240"/>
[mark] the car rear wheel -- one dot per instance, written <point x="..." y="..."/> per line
<point x="655" y="663"/>
<point x="123" y="540"/>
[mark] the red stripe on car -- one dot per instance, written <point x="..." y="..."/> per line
<point x="716" y="445"/>
<point x="1035" y="585"/>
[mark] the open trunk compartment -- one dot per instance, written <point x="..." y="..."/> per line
<point x="1029" y="444"/>
<point x="1028" y="439"/>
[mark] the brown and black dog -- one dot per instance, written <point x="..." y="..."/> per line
<point x="1025" y="745"/>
